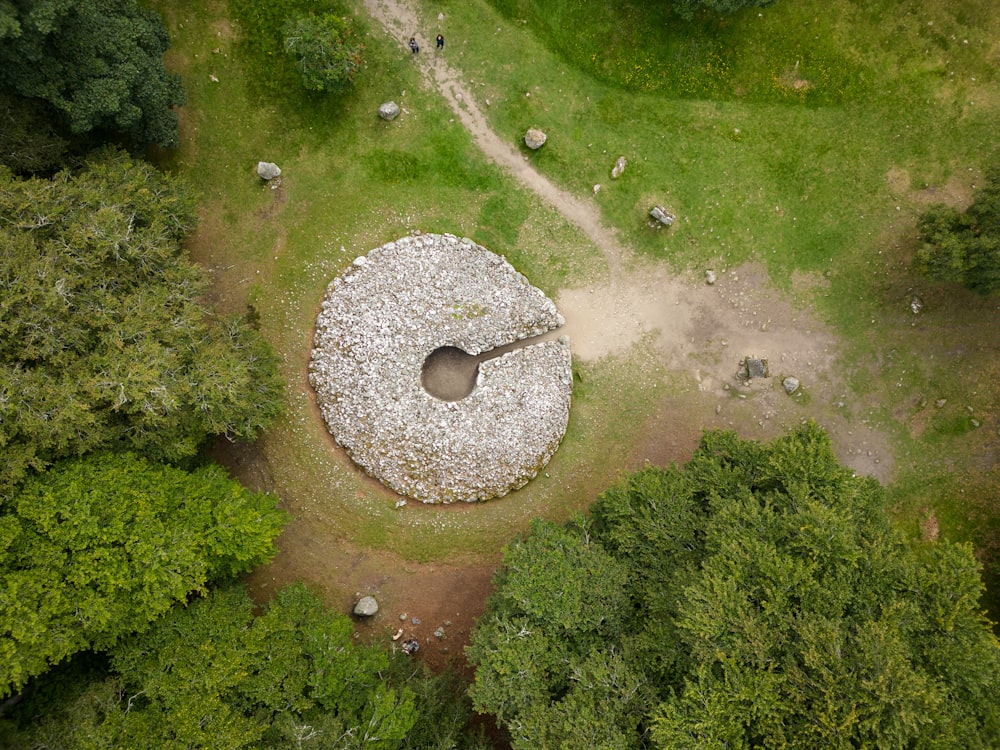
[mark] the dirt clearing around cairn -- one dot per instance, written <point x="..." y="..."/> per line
<point x="682" y="334"/>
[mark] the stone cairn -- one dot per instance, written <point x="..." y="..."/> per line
<point x="379" y="322"/>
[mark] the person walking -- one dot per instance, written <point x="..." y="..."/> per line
<point x="440" y="42"/>
<point x="414" y="47"/>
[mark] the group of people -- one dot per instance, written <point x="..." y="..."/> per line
<point x="415" y="48"/>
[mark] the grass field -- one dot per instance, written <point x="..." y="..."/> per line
<point x="806" y="137"/>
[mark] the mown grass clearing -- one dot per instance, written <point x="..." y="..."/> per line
<point x="819" y="181"/>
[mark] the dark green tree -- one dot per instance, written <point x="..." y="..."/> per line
<point x="213" y="674"/>
<point x="96" y="548"/>
<point x="964" y="247"/>
<point x="758" y="597"/>
<point x="30" y="141"/>
<point x="97" y="62"/>
<point x="104" y="342"/>
<point x="326" y="51"/>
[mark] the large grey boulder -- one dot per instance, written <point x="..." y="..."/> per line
<point x="662" y="216"/>
<point x="388" y="111"/>
<point x="534" y="139"/>
<point x="790" y="384"/>
<point x="267" y="170"/>
<point x="366" y="606"/>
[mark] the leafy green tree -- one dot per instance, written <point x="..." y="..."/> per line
<point x="30" y="143"/>
<point x="964" y="247"/>
<point x="97" y="62"/>
<point x="326" y="51"/>
<point x="96" y="548"/>
<point x="104" y="342"/>
<point x="757" y="597"/>
<point x="213" y="674"/>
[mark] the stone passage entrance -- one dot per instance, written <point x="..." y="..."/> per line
<point x="449" y="373"/>
<point x="418" y="307"/>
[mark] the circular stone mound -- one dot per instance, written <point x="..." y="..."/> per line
<point x="380" y="321"/>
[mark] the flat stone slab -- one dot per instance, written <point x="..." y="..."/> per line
<point x="379" y="322"/>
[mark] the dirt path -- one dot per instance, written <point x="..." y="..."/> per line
<point x="695" y="330"/>
<point x="400" y="21"/>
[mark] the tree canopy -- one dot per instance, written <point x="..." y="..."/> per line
<point x="215" y="674"/>
<point x="99" y="63"/>
<point x="756" y="597"/>
<point x="96" y="548"/>
<point x="104" y="342"/>
<point x="964" y="247"/>
<point x="326" y="51"/>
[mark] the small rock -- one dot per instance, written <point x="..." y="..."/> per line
<point x="597" y="188"/>
<point x="790" y="384"/>
<point x="213" y="78"/>
<point x="940" y="403"/>
<point x="710" y="277"/>
<point x="756" y="368"/>
<point x="661" y="215"/>
<point x="619" y="167"/>
<point x="366" y="606"/>
<point x="402" y="616"/>
<point x="415" y="620"/>
<point x="388" y="111"/>
<point x="534" y="139"/>
<point x="267" y="170"/>
<point x="916" y="305"/>
<point x="975" y="423"/>
<point x="439" y="633"/>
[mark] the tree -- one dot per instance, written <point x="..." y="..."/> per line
<point x="757" y="597"/>
<point x="30" y="142"/>
<point x="964" y="247"/>
<point x="95" y="549"/>
<point x="97" y="62"/>
<point x="213" y="674"/>
<point x="326" y="51"/>
<point x="104" y="342"/>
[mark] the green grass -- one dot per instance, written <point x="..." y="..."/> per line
<point x="796" y="178"/>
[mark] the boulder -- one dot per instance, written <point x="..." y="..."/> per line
<point x="366" y="606"/>
<point x="267" y="170"/>
<point x="534" y="139"/>
<point x="754" y="367"/>
<point x="619" y="167"/>
<point x="388" y="111"/>
<point x="790" y="384"/>
<point x="661" y="215"/>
